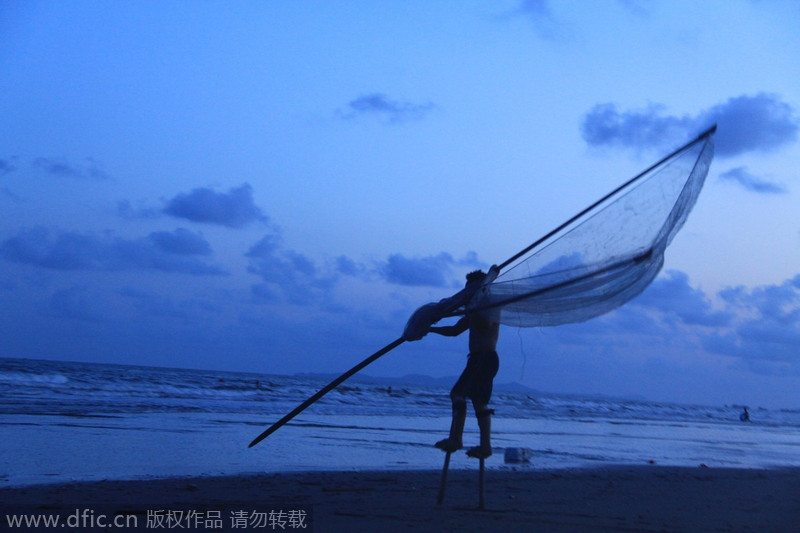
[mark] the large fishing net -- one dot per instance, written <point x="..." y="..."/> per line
<point x="596" y="261"/>
<point x="605" y="255"/>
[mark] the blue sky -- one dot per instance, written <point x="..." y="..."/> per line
<point x="276" y="186"/>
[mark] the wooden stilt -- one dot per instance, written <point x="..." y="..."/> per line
<point x="444" y="479"/>
<point x="480" y="483"/>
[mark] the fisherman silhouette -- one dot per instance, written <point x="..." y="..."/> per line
<point x="476" y="381"/>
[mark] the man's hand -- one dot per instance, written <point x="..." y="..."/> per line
<point x="420" y="322"/>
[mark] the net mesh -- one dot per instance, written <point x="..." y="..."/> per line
<point x="604" y="257"/>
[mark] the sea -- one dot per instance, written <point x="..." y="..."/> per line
<point x="71" y="421"/>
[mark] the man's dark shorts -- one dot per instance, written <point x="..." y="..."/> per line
<point x="475" y="382"/>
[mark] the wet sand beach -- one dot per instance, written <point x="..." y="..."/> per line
<point x="647" y="498"/>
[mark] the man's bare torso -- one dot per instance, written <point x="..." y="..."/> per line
<point x="483" y="334"/>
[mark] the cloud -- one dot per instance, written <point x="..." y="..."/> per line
<point x="285" y="273"/>
<point x="234" y="209"/>
<point x="768" y="333"/>
<point x="536" y="7"/>
<point x="426" y="271"/>
<point x="605" y="125"/>
<point x="752" y="123"/>
<point x="154" y="306"/>
<point x="674" y="299"/>
<point x="292" y="276"/>
<point x="77" y="303"/>
<point x="377" y="104"/>
<point x="759" y="123"/>
<point x="758" y="327"/>
<point x="8" y="193"/>
<point x="128" y="212"/>
<point x="430" y="271"/>
<point x="348" y="267"/>
<point x="6" y="167"/>
<point x="180" y="242"/>
<point x="774" y="303"/>
<point x="161" y="251"/>
<point x="540" y="15"/>
<point x="741" y="176"/>
<point x="60" y="167"/>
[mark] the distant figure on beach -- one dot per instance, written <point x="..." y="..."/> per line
<point x="477" y="378"/>
<point x="389" y="390"/>
<point x="745" y="416"/>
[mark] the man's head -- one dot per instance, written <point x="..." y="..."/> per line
<point x="476" y="276"/>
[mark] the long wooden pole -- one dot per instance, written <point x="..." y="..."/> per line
<point x="325" y="390"/>
<point x="481" y="479"/>
<point x="443" y="484"/>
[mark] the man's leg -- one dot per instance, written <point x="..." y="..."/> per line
<point x="454" y="441"/>
<point x="484" y="416"/>
<point x="458" y="397"/>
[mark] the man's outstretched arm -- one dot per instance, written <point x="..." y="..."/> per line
<point x="451" y="331"/>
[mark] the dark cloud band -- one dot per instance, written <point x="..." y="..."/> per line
<point x="234" y="209"/>
<point x="757" y="123"/>
<point x="163" y="251"/>
<point x="380" y="105"/>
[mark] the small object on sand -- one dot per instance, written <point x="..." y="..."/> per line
<point x="518" y="455"/>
